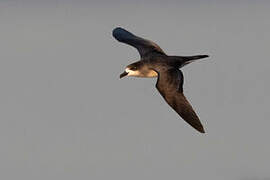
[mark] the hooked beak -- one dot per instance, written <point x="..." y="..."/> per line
<point x="123" y="74"/>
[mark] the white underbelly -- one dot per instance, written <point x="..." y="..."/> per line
<point x="144" y="74"/>
<point x="149" y="74"/>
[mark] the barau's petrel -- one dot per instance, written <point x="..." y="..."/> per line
<point x="155" y="63"/>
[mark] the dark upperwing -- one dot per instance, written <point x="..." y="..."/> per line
<point x="144" y="46"/>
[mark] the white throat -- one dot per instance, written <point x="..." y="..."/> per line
<point x="137" y="73"/>
<point x="132" y="73"/>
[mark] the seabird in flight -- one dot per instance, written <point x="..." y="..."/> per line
<point x="155" y="63"/>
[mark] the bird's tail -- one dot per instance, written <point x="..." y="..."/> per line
<point x="192" y="58"/>
<point x="184" y="60"/>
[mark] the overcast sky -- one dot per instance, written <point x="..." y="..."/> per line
<point x="65" y="115"/>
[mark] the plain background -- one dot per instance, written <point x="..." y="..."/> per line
<point x="64" y="113"/>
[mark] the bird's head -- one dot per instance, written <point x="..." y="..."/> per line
<point x="132" y="70"/>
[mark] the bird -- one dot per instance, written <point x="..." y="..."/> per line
<point x="155" y="63"/>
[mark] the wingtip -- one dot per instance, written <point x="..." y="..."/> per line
<point x="115" y="31"/>
<point x="118" y="30"/>
<point x="201" y="130"/>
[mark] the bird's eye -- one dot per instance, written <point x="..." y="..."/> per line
<point x="133" y="68"/>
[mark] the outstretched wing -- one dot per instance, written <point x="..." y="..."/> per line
<point x="170" y="86"/>
<point x="142" y="45"/>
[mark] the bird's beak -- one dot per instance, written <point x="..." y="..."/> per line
<point x="123" y="74"/>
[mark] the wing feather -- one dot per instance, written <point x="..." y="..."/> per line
<point x="170" y="86"/>
<point x="144" y="46"/>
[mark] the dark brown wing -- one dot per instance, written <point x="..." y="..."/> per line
<point x="142" y="45"/>
<point x="170" y="86"/>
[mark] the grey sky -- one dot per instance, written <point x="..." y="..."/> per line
<point x="64" y="113"/>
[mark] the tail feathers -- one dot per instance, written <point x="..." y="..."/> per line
<point x="180" y="61"/>
<point x="190" y="58"/>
